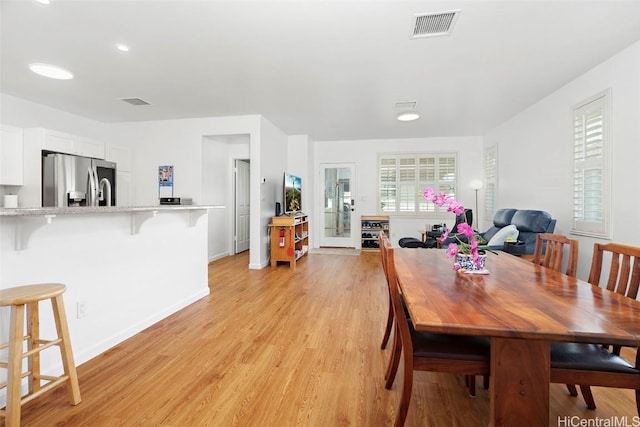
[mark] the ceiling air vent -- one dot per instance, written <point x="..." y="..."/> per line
<point x="134" y="101"/>
<point x="401" y="105"/>
<point x="433" y="24"/>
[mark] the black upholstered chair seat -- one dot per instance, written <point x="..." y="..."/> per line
<point x="588" y="357"/>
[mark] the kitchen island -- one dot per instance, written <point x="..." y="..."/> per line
<point x="125" y="268"/>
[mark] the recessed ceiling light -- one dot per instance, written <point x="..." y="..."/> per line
<point x="51" y="71"/>
<point x="44" y="1"/>
<point x="122" y="47"/>
<point x="408" y="116"/>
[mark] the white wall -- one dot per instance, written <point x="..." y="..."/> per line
<point x="364" y="154"/>
<point x="300" y="163"/>
<point x="25" y="114"/>
<point x="270" y="166"/>
<point x="535" y="152"/>
<point x="218" y="156"/>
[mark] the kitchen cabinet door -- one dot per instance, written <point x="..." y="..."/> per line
<point x="11" y="156"/>
<point x="58" y="142"/>
<point x="123" y="188"/>
<point x="89" y="148"/>
<point x="122" y="156"/>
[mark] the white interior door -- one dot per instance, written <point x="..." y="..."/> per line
<point x="242" y="206"/>
<point x="338" y="204"/>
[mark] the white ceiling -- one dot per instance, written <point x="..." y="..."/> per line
<point x="330" y="69"/>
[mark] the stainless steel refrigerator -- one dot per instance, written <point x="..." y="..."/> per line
<point x="69" y="180"/>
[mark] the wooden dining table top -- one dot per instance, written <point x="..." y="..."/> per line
<point x="517" y="299"/>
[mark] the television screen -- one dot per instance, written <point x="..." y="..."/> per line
<point x="292" y="193"/>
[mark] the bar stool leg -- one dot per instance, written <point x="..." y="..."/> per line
<point x="73" y="388"/>
<point x="14" y="373"/>
<point x="33" y="332"/>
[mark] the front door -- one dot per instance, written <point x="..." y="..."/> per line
<point x="338" y="205"/>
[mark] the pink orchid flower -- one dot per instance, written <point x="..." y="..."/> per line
<point x="452" y="250"/>
<point x="466" y="229"/>
<point x="429" y="194"/>
<point x="456" y="207"/>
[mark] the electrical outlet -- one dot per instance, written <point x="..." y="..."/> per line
<point x="81" y="309"/>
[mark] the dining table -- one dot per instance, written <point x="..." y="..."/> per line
<point x="522" y="308"/>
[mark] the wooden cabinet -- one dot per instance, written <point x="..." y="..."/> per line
<point x="289" y="238"/>
<point x="11" y="156"/>
<point x="370" y="228"/>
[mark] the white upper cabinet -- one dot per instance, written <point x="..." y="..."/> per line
<point x="90" y="148"/>
<point x="69" y="144"/>
<point x="122" y="156"/>
<point x="11" y="156"/>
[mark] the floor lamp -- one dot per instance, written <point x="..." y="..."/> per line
<point x="476" y="185"/>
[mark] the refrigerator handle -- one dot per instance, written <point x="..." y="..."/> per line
<point x="92" y="191"/>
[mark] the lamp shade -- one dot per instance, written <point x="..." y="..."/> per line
<point x="476" y="184"/>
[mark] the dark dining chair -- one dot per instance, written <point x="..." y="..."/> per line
<point x="394" y="358"/>
<point x="623" y="278"/>
<point x="549" y="252"/>
<point x="387" y="329"/>
<point x="423" y="351"/>
<point x="594" y="364"/>
<point x="624" y="272"/>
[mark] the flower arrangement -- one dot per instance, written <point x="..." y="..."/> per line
<point x="469" y="246"/>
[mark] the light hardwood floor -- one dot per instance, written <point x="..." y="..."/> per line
<point x="278" y="347"/>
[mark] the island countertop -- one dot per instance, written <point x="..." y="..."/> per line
<point x="100" y="209"/>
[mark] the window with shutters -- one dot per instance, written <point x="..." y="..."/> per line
<point x="403" y="177"/>
<point x="490" y="182"/>
<point x="591" y="157"/>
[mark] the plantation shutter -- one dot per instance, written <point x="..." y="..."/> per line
<point x="490" y="182"/>
<point x="590" y="180"/>
<point x="403" y="177"/>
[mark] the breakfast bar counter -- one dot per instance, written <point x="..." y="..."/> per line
<point x="125" y="268"/>
<point x="101" y="210"/>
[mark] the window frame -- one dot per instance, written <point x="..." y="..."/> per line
<point x="421" y="207"/>
<point x="579" y="226"/>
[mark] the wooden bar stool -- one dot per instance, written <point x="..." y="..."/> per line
<point x="29" y="296"/>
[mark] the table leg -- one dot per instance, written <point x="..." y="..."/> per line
<point x="519" y="386"/>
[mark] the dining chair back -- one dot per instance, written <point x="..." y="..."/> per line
<point x="603" y="367"/>
<point x="427" y="351"/>
<point x="387" y="330"/>
<point x="624" y="272"/>
<point x="549" y="252"/>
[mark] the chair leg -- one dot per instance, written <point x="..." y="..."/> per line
<point x="485" y="382"/>
<point x="470" y="380"/>
<point x="587" y="396"/>
<point x="407" y="386"/>
<point x="14" y="366"/>
<point x="73" y="388"/>
<point x="394" y="360"/>
<point x="387" y="330"/>
<point x="573" y="391"/>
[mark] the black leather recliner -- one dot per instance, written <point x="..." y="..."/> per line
<point x="412" y="242"/>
